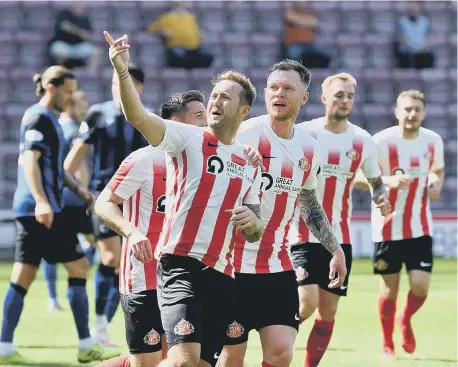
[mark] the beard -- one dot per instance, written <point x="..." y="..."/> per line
<point x="339" y="117"/>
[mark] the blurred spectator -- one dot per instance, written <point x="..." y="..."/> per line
<point x="300" y="23"/>
<point x="411" y="48"/>
<point x="180" y="31"/>
<point x="71" y="44"/>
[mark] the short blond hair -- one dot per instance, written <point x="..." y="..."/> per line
<point x="412" y="93"/>
<point x="249" y="89"/>
<point x="341" y="76"/>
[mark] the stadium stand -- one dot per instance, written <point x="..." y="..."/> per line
<point x="245" y="36"/>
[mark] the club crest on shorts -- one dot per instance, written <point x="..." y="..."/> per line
<point x="235" y="330"/>
<point x="304" y="164"/>
<point x="301" y="273"/>
<point x="381" y="265"/>
<point x="183" y="328"/>
<point x="352" y="154"/>
<point x="103" y="228"/>
<point x="152" y="338"/>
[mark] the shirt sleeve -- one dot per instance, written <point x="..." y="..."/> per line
<point x="37" y="133"/>
<point x="311" y="182"/>
<point x="252" y="195"/>
<point x="88" y="128"/>
<point x="370" y="165"/>
<point x="130" y="176"/>
<point x="438" y="160"/>
<point x="176" y="136"/>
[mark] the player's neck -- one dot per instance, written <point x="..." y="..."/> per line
<point x="409" y="135"/>
<point x="46" y="101"/>
<point x="65" y="116"/>
<point x="335" y="126"/>
<point x="283" y="129"/>
<point x="225" y="136"/>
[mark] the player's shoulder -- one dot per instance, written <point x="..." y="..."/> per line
<point x="386" y="134"/>
<point x="312" y="126"/>
<point x="360" y="133"/>
<point x="36" y="115"/>
<point x="252" y="125"/>
<point x="430" y="134"/>
<point x="146" y="155"/>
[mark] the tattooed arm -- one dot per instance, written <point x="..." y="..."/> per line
<point x="379" y="195"/>
<point x="314" y="216"/>
<point x="248" y="219"/>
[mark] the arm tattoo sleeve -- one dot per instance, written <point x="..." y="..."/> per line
<point x="253" y="237"/>
<point x="314" y="216"/>
<point x="378" y="188"/>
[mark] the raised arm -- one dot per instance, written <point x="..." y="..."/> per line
<point x="150" y="125"/>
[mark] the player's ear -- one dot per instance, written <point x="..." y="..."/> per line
<point x="305" y="98"/>
<point x="323" y="99"/>
<point x="51" y="88"/>
<point x="396" y="112"/>
<point x="174" y="118"/>
<point x="245" y="110"/>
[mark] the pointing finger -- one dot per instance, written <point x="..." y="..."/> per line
<point x="108" y="37"/>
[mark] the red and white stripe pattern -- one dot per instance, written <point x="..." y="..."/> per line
<point x="290" y="165"/>
<point x="417" y="158"/>
<point x="341" y="156"/>
<point x="206" y="178"/>
<point x="141" y="182"/>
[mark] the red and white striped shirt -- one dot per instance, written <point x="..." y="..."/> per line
<point x="291" y="165"/>
<point x="417" y="158"/>
<point x="341" y="156"/>
<point x="205" y="178"/>
<point x="140" y="180"/>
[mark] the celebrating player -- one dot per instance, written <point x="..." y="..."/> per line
<point x="70" y="120"/>
<point x="344" y="148"/>
<point x="412" y="163"/>
<point x="140" y="183"/>
<point x="264" y="271"/>
<point x="212" y="191"/>
<point x="43" y="232"/>
<point x="106" y="129"/>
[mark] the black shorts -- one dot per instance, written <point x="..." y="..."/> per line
<point x="263" y="300"/>
<point x="416" y="253"/>
<point x="80" y="218"/>
<point x="34" y="241"/>
<point x="196" y="304"/>
<point x="101" y="230"/>
<point x="311" y="262"/>
<point x="142" y="321"/>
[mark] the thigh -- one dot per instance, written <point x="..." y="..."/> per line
<point x="142" y="322"/>
<point x="418" y="254"/>
<point x="101" y="230"/>
<point x="31" y="238"/>
<point x="180" y="302"/>
<point x="387" y="257"/>
<point x="63" y="246"/>
<point x="279" y="292"/>
<point x="218" y="313"/>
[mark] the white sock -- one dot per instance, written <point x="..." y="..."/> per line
<point x="101" y="320"/>
<point x="6" y="349"/>
<point x="86" y="343"/>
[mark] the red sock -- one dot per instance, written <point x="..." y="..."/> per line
<point x="265" y="364"/>
<point x="121" y="361"/>
<point x="318" y="342"/>
<point x="413" y="304"/>
<point x="387" y="311"/>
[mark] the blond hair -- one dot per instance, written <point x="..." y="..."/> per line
<point x="412" y="93"/>
<point x="341" y="76"/>
<point x="241" y="79"/>
<point x="50" y="74"/>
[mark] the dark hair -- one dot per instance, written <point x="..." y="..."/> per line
<point x="288" y="64"/>
<point x="178" y="103"/>
<point x="55" y="75"/>
<point x="249" y="89"/>
<point x="136" y="72"/>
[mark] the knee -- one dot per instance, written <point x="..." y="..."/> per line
<point x="182" y="363"/>
<point x="328" y="313"/>
<point x="109" y="258"/>
<point x="280" y="355"/>
<point x="307" y="308"/>
<point x="420" y="290"/>
<point x="80" y="269"/>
